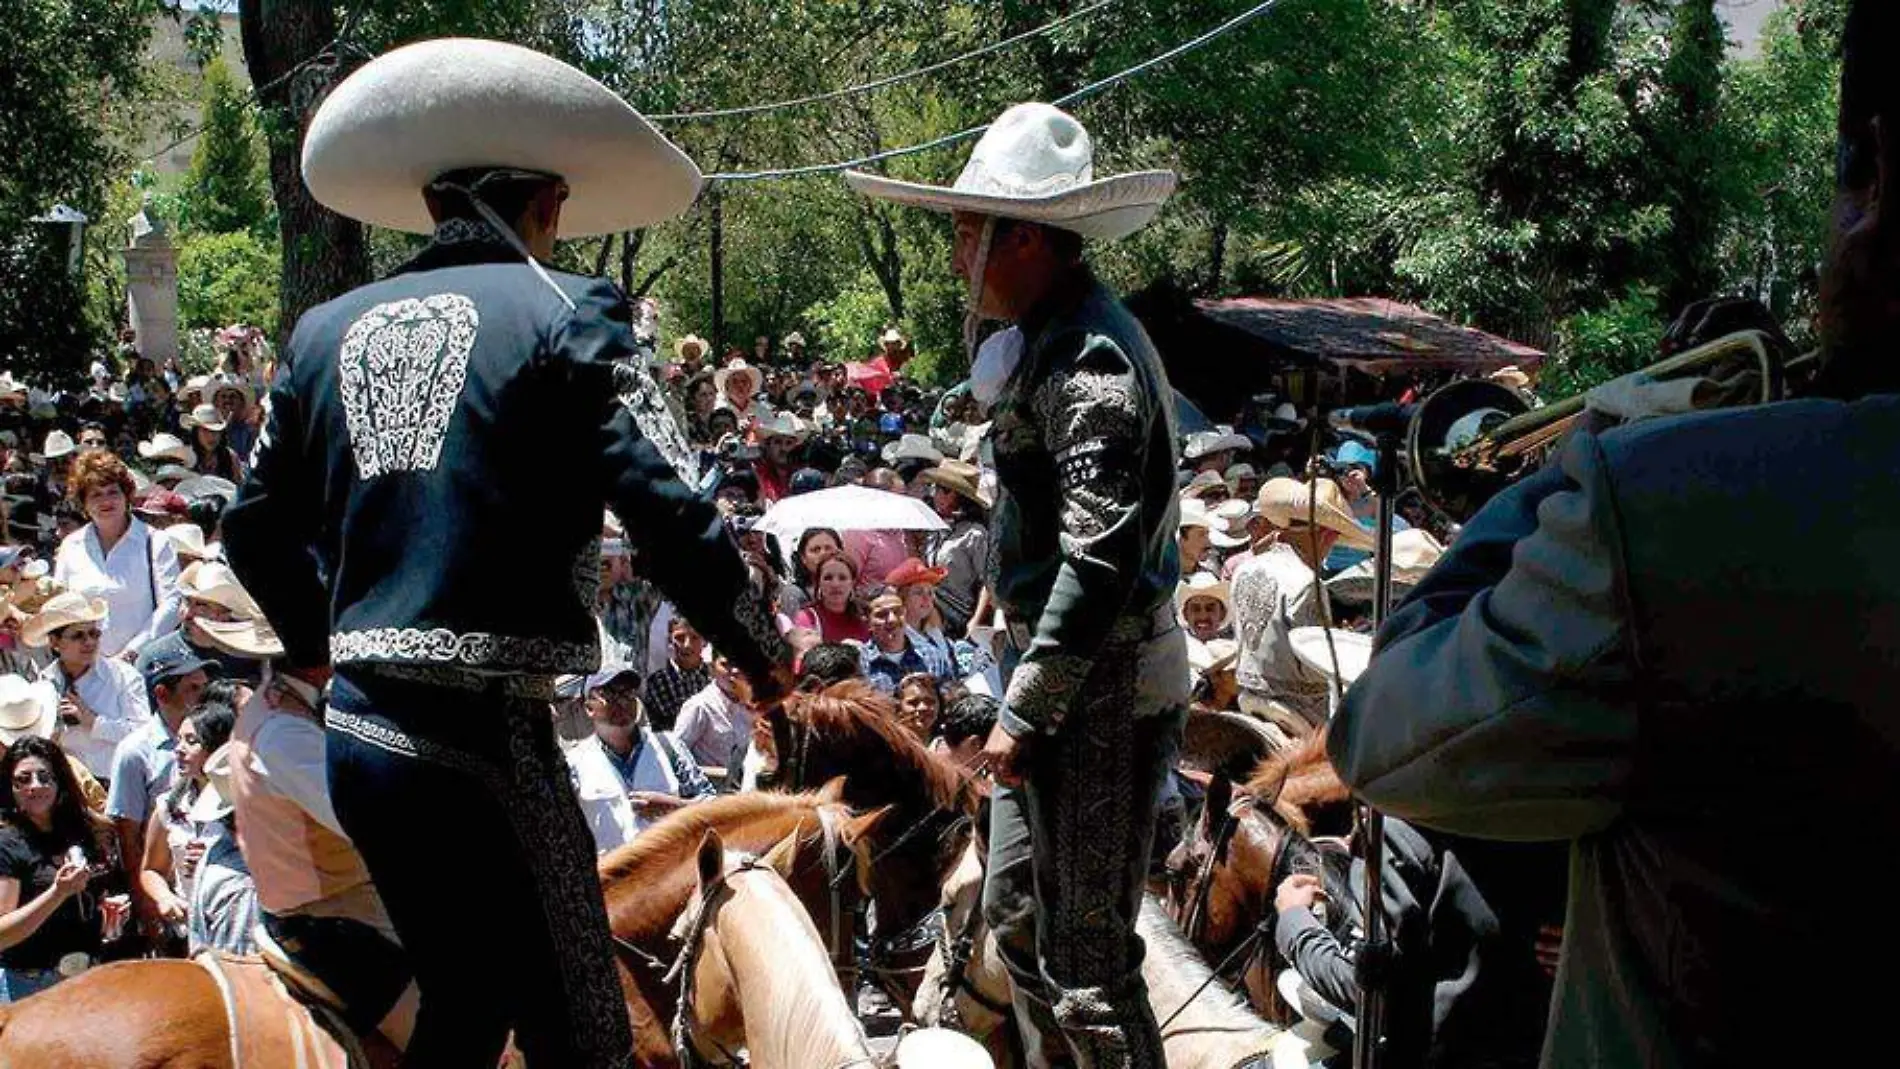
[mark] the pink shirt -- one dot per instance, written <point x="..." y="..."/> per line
<point x="878" y="553"/>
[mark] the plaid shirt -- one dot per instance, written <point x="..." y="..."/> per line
<point x="668" y="689"/>
<point x="885" y="670"/>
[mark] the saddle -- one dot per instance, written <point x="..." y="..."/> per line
<point x="278" y="1015"/>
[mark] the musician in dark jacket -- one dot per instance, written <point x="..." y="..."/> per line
<point x="1678" y="648"/>
<point x="380" y="532"/>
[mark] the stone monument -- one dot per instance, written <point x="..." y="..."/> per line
<point x="151" y="288"/>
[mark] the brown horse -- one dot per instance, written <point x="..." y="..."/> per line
<point x="169" y="1013"/>
<point x="1224" y="875"/>
<point x="851" y="730"/>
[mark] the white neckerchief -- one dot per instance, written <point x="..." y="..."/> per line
<point x="995" y="362"/>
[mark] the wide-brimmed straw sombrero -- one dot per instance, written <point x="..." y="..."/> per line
<point x="26" y="708"/>
<point x="1289" y="502"/>
<point x="61" y="610"/>
<point x="412" y="115"/>
<point x="253" y="640"/>
<point x="1037" y="164"/>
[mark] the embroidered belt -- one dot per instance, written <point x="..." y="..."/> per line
<point x="535" y="687"/>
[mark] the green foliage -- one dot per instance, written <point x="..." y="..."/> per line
<point x="1596" y="346"/>
<point x="227" y="278"/>
<point x="225" y="190"/>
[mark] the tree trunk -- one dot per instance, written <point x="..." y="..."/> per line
<point x="1693" y="79"/>
<point x="325" y="254"/>
<point x="1217" y="258"/>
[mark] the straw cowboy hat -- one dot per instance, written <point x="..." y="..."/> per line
<point x="961" y="478"/>
<point x="163" y="446"/>
<point x="691" y="341"/>
<point x="253" y="640"/>
<point x="1202" y="483"/>
<point x="26" y="709"/>
<point x="215" y="799"/>
<point x="1194" y="513"/>
<point x="1510" y="375"/>
<point x="740" y="367"/>
<point x="781" y="425"/>
<point x="203" y="486"/>
<point x="215" y="582"/>
<point x="206" y="416"/>
<point x="1414" y="553"/>
<point x="1206" y="443"/>
<point x="1229" y="527"/>
<point x="188" y="541"/>
<point x="1036" y="164"/>
<point x="61" y="610"/>
<point x="1203" y="585"/>
<point x="1287" y="502"/>
<point x="194" y="388"/>
<point x="793" y="339"/>
<point x="891" y="336"/>
<point x="221" y="383"/>
<point x="410" y="116"/>
<point x="59" y="444"/>
<point x="911" y="447"/>
<point x="1311" y="647"/>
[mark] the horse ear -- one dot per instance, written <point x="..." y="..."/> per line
<point x="712" y="858"/>
<point x="860" y="828"/>
<point x="1220" y="798"/>
<point x="783" y="857"/>
<point x="832" y="792"/>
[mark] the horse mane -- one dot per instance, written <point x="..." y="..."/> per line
<point x="855" y="709"/>
<point x="671" y="841"/>
<point x="1213" y="1008"/>
<point x="1298" y="780"/>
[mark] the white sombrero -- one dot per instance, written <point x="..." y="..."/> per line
<point x="26" y="709"/>
<point x="1036" y="164"/>
<point x="421" y="111"/>
<point x="1354" y="650"/>
<point x="165" y="446"/>
<point x="940" y="1048"/>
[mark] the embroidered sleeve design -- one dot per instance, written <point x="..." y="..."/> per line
<point x="400" y="372"/>
<point x="1041" y="690"/>
<point x="1092" y="426"/>
<point x="646" y="402"/>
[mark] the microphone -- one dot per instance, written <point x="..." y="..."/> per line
<point x="1390" y="419"/>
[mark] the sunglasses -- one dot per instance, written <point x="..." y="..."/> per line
<point x="90" y="634"/>
<point x="31" y="776"/>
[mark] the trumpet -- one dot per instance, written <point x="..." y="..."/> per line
<point x="1474" y="437"/>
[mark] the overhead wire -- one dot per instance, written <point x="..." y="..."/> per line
<point x="887" y="82"/>
<point x="1083" y="93"/>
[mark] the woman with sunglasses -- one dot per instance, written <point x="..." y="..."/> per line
<point x="101" y="699"/>
<point x="59" y="872"/>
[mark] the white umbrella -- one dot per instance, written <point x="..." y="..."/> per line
<point x="849" y="508"/>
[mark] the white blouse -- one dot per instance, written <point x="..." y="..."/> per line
<point x="138" y="581"/>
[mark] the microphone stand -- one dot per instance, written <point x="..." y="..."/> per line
<point x="1372" y="967"/>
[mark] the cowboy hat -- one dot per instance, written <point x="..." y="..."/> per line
<point x="1194" y="513"/>
<point x="203" y="486"/>
<point x="188" y="542"/>
<point x="1203" y="585"/>
<point x="911" y="447"/>
<point x="739" y="367"/>
<point x="1510" y="375"/>
<point x="160" y="502"/>
<point x="1311" y="647"/>
<point x="781" y="425"/>
<point x="1225" y="744"/>
<point x="1229" y="529"/>
<point x="1206" y="443"/>
<point x="410" y="116"/>
<point x="1413" y="554"/>
<point x="163" y="446"/>
<point x="173" y="474"/>
<point x="794" y="338"/>
<point x="1286" y="502"/>
<point x="253" y="640"/>
<point x="215" y="798"/>
<point x="1211" y="656"/>
<point x="691" y="341"/>
<point x="891" y="336"/>
<point x="215" y="582"/>
<point x="61" y="610"/>
<point x="959" y="477"/>
<point x="206" y="416"/>
<point x="221" y="383"/>
<point x="1036" y="164"/>
<point x="26" y="709"/>
<point x="194" y="387"/>
<point x="58" y="444"/>
<point x="11" y="387"/>
<point x="940" y="1048"/>
<point x="1202" y="483"/>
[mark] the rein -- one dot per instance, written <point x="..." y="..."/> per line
<point x="1195" y="920"/>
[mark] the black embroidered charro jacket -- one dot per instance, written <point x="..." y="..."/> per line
<point x="1082" y="543"/>
<point x="437" y="448"/>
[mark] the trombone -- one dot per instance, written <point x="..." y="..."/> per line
<point x="1474" y="437"/>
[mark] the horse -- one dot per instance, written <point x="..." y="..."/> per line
<point x="137" y="1014"/>
<point x="1204" y="1024"/>
<point x="755" y="978"/>
<point x="851" y="730"/>
<point x="1223" y="877"/>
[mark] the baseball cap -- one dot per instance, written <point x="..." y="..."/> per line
<point x="167" y="660"/>
<point x="612" y="672"/>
